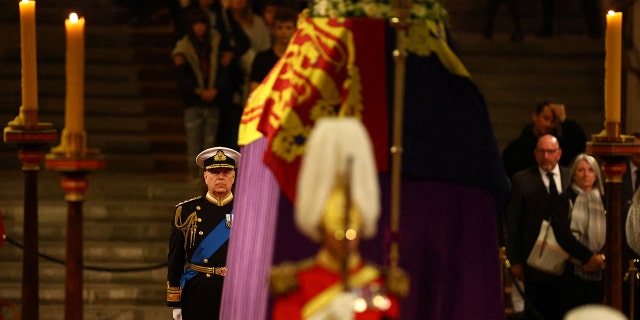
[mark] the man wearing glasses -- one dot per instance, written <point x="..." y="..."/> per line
<point x="533" y="194"/>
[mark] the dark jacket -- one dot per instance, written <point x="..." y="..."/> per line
<point x="529" y="204"/>
<point x="561" y="223"/>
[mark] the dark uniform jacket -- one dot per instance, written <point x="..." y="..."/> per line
<point x="194" y="220"/>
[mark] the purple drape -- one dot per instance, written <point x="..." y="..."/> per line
<point x="245" y="291"/>
<point x="449" y="246"/>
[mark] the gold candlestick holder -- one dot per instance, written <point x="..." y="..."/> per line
<point x="74" y="162"/>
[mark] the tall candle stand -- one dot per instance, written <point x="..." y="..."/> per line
<point x="613" y="149"/>
<point x="32" y="138"/>
<point x="401" y="23"/>
<point x="74" y="166"/>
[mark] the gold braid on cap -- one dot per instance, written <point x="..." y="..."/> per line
<point x="189" y="227"/>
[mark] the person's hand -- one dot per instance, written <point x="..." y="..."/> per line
<point x="518" y="271"/>
<point x="177" y="314"/>
<point x="226" y="58"/>
<point x="596" y="262"/>
<point x="209" y="94"/>
<point x="559" y="111"/>
<point x="178" y="59"/>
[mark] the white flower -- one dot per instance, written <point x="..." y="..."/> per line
<point x="371" y="9"/>
<point x="320" y="8"/>
<point x="333" y="13"/>
<point x="419" y="10"/>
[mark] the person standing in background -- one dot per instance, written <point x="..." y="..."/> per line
<point x="514" y="12"/>
<point x="253" y="28"/>
<point x="548" y="118"/>
<point x="592" y="17"/>
<point x="203" y="84"/>
<point x="580" y="226"/>
<point x="285" y="20"/>
<point x="534" y="196"/>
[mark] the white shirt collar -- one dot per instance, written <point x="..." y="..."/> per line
<point x="555" y="171"/>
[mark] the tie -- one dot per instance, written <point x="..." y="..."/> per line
<point x="553" y="190"/>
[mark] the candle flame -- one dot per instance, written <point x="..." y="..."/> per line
<point x="73" y="17"/>
<point x="611" y="13"/>
<point x="25" y="1"/>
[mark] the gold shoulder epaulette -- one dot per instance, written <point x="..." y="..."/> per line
<point x="183" y="202"/>
<point x="284" y="278"/>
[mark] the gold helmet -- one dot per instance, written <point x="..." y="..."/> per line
<point x="338" y="147"/>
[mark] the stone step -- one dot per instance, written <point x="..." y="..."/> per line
<point x="93" y="71"/>
<point x="115" y="311"/>
<point x="126" y="229"/>
<point x="96" y="252"/>
<point x="96" y="294"/>
<point x="108" y="143"/>
<point x="470" y="16"/>
<point x="92" y="88"/>
<point x="122" y="274"/>
<point x="124" y="191"/>
<point x="568" y="69"/>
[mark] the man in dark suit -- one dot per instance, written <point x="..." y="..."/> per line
<point x="533" y="192"/>
<point x="630" y="185"/>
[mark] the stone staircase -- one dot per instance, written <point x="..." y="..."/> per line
<point x="135" y="119"/>
<point x="514" y="77"/>
<point x="126" y="221"/>
<point x="569" y="70"/>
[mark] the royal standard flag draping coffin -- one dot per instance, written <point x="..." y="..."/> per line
<point x="326" y="71"/>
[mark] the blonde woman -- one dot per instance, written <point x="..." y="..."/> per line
<point x="580" y="227"/>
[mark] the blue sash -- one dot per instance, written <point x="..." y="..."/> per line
<point x="207" y="248"/>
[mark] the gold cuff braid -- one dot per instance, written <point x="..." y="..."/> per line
<point x="174" y="294"/>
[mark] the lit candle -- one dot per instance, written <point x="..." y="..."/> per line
<point x="74" y="103"/>
<point x="28" y="43"/>
<point x="613" y="67"/>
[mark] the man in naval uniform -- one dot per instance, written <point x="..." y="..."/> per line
<point x="199" y="240"/>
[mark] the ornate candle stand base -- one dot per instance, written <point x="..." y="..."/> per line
<point x="613" y="151"/>
<point x="31" y="140"/>
<point x="74" y="171"/>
